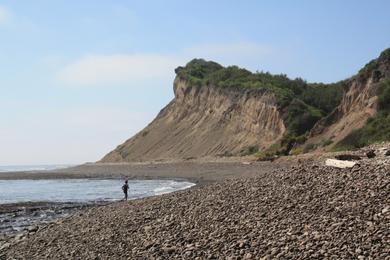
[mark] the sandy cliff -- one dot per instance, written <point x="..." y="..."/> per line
<point x="359" y="103"/>
<point x="205" y="121"/>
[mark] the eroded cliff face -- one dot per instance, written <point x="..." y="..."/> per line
<point x="205" y="121"/>
<point x="220" y="120"/>
<point x="359" y="103"/>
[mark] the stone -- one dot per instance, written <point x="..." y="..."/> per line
<point x="19" y="237"/>
<point x="147" y="228"/>
<point x="5" y="246"/>
<point x="370" y="154"/>
<point x="169" y="250"/>
<point x="32" y="229"/>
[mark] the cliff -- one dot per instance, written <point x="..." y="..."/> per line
<point x="220" y="111"/>
<point x="206" y="121"/>
<point x="358" y="104"/>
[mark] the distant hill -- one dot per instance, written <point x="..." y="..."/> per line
<point x="226" y="111"/>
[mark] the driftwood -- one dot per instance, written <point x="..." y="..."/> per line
<point x="339" y="163"/>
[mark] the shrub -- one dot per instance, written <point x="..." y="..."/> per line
<point x="384" y="96"/>
<point x="302" y="104"/>
<point x="377" y="128"/>
<point x="249" y="150"/>
<point x="309" y="147"/>
<point x="326" y="142"/>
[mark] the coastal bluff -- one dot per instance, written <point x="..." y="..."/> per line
<point x="229" y="111"/>
<point x="205" y="121"/>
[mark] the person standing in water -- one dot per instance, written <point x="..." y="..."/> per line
<point x="125" y="189"/>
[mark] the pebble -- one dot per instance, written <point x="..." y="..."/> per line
<point x="33" y="229"/>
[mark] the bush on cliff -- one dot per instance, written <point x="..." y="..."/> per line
<point x="377" y="128"/>
<point x="302" y="104"/>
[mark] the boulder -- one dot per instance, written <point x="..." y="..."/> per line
<point x="370" y="154"/>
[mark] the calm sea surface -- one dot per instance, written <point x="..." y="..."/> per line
<point x="39" y="167"/>
<point x="82" y="190"/>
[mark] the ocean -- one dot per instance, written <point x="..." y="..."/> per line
<point x="83" y="190"/>
<point x="45" y="200"/>
<point x="41" y="167"/>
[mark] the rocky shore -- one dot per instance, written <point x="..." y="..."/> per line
<point x="305" y="211"/>
<point x="19" y="219"/>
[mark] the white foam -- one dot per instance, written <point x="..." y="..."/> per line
<point x="173" y="186"/>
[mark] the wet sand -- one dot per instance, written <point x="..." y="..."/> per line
<point x="197" y="172"/>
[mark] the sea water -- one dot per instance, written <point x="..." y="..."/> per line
<point x="83" y="190"/>
<point x="39" y="167"/>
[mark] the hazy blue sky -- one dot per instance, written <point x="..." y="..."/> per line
<point x="79" y="77"/>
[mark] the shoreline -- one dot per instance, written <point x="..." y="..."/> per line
<point x="21" y="218"/>
<point x="198" y="172"/>
<point x="307" y="210"/>
<point x="286" y="209"/>
<point x="18" y="218"/>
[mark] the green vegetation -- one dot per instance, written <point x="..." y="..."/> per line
<point x="249" y="150"/>
<point x="374" y="64"/>
<point x="310" y="147"/>
<point x="302" y="104"/>
<point x="377" y="128"/>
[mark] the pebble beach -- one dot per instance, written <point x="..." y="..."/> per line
<point x="302" y="211"/>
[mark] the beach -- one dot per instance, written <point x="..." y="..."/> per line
<point x="237" y="211"/>
<point x="196" y="171"/>
<point x="18" y="218"/>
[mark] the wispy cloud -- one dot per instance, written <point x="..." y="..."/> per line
<point x="4" y="15"/>
<point x="104" y="70"/>
<point x="127" y="69"/>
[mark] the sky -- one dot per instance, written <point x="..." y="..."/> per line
<point x="77" y="78"/>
